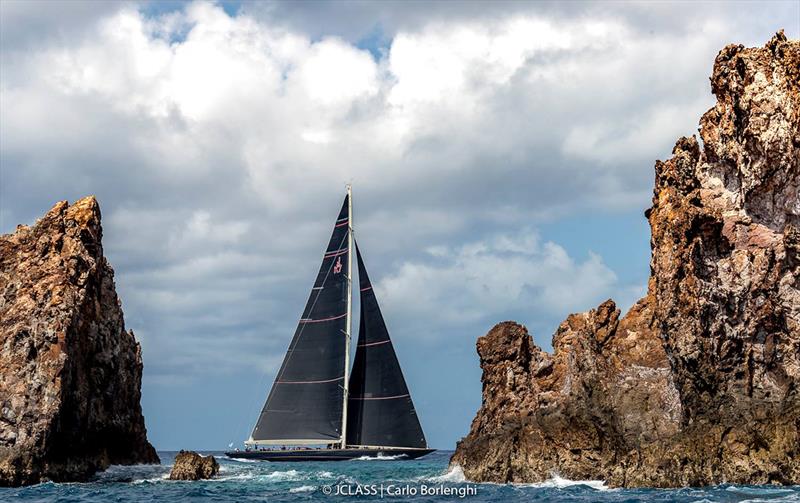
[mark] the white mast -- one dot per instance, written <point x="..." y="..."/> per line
<point x="349" y="322"/>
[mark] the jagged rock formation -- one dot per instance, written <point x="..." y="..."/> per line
<point x="70" y="374"/>
<point x="699" y="383"/>
<point x="191" y="466"/>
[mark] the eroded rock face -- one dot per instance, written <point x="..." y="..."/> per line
<point x="70" y="374"/>
<point x="698" y="383"/>
<point x="191" y="466"/>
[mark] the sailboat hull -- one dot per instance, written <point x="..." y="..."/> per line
<point x="328" y="454"/>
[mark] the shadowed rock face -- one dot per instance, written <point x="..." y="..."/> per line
<point x="698" y="383"/>
<point x="70" y="374"/>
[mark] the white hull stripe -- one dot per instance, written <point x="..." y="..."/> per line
<point x="379" y="397"/>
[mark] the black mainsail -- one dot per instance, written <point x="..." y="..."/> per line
<point x="305" y="405"/>
<point x="380" y="412"/>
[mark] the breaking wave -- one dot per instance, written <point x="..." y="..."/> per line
<point x="288" y="476"/>
<point x="559" y="482"/>
<point x="240" y="460"/>
<point x="454" y="475"/>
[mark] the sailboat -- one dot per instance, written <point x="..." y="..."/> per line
<point x="315" y="400"/>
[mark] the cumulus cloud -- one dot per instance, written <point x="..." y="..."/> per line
<point x="450" y="105"/>
<point x="497" y="278"/>
<point x="219" y="141"/>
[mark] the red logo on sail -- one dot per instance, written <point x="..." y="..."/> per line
<point x="338" y="267"/>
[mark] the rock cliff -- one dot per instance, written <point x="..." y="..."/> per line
<point x="699" y="383"/>
<point x="70" y="374"/>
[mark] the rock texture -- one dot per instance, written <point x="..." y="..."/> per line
<point x="70" y="373"/>
<point x="699" y="383"/>
<point x="191" y="466"/>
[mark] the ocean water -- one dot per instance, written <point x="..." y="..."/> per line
<point x="423" y="480"/>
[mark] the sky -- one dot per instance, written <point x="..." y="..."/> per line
<point x="501" y="156"/>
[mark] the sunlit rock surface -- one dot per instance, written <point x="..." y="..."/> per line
<point x="192" y="466"/>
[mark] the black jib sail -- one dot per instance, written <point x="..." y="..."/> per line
<point x="379" y="408"/>
<point x="306" y="400"/>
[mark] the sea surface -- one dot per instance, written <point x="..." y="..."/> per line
<point x="427" y="479"/>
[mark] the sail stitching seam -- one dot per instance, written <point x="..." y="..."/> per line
<point x="309" y="320"/>
<point x="334" y="253"/>
<point x="374" y="343"/>
<point x="380" y="397"/>
<point x="309" y="382"/>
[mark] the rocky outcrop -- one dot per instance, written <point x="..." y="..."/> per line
<point x="70" y="374"/>
<point x="607" y="388"/>
<point x="191" y="466"/>
<point x="699" y="383"/>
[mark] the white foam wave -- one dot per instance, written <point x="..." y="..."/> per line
<point x="290" y="476"/>
<point x="559" y="482"/>
<point x="303" y="489"/>
<point x="151" y="480"/>
<point x="380" y="457"/>
<point x="134" y="474"/>
<point x="454" y="475"/>
<point x="240" y="460"/>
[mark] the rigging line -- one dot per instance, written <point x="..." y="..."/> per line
<point x="243" y="428"/>
<point x="291" y="349"/>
